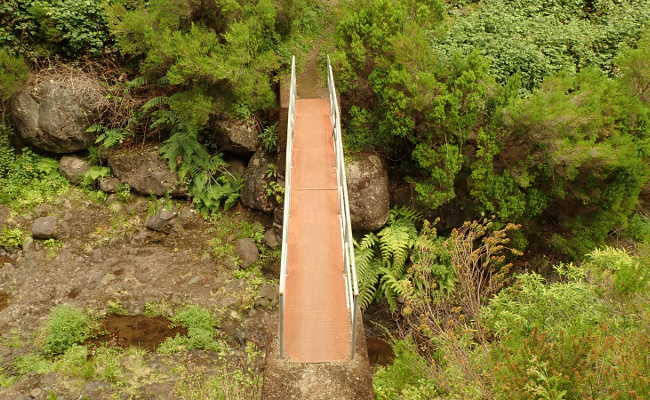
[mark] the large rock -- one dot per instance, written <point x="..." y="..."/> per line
<point x="368" y="190"/>
<point x="146" y="172"/>
<point x="74" y="168"/>
<point x="253" y="194"/>
<point x="46" y="228"/>
<point x="238" y="136"/>
<point x="54" y="115"/>
<point x="160" y="222"/>
<point x="247" y="251"/>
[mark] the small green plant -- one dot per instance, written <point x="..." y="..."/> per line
<point x="27" y="179"/>
<point x="6" y="381"/>
<point x="66" y="327"/>
<point x="53" y="246"/>
<point x="123" y="192"/>
<point x="269" y="138"/>
<point x="107" y="137"/>
<point x="272" y="188"/>
<point x="93" y="175"/>
<point x="33" y="364"/>
<point x="115" y="308"/>
<point x="200" y="325"/>
<point x="11" y="238"/>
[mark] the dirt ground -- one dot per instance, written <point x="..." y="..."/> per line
<point x="107" y="261"/>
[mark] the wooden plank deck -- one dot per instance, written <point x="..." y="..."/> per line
<point x="316" y="320"/>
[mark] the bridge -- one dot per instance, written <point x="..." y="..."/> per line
<point x="318" y="282"/>
<point x="319" y="350"/>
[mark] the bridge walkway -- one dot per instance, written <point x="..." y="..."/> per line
<point x="317" y="326"/>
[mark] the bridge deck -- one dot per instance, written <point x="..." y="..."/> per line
<point x="316" y="320"/>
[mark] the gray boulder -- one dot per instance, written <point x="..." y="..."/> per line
<point x="247" y="251"/>
<point x="253" y="194"/>
<point x="53" y="115"/>
<point x="160" y="222"/>
<point x="45" y="228"/>
<point x="367" y="180"/>
<point x="146" y="172"/>
<point x="236" y="167"/>
<point x="109" y="184"/>
<point x="272" y="239"/>
<point x="73" y="168"/>
<point x="238" y="136"/>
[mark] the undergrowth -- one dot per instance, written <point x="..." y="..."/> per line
<point x="27" y="179"/>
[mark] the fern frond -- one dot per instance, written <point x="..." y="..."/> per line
<point x="155" y="102"/>
<point x="405" y="213"/>
<point x="136" y="83"/>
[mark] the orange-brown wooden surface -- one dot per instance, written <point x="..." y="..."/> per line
<point x="316" y="319"/>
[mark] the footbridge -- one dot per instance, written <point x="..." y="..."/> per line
<point x="319" y="349"/>
<point x="318" y="282"/>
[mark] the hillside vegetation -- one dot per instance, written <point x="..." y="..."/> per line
<point x="515" y="260"/>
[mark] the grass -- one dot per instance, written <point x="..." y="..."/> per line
<point x="66" y="326"/>
<point x="12" y="238"/>
<point x="200" y="325"/>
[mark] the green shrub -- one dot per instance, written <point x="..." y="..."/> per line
<point x="531" y="305"/>
<point x="40" y="28"/>
<point x="537" y="39"/>
<point x="407" y="378"/>
<point x="400" y="261"/>
<point x="11" y="238"/>
<point x="13" y="73"/>
<point x="66" y="327"/>
<point x="618" y="270"/>
<point x="27" y="179"/>
<point x="200" y="325"/>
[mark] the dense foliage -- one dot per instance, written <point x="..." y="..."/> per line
<point x="536" y="39"/>
<point x="27" y="179"/>
<point x="576" y="338"/>
<point x="42" y="28"/>
<point x="211" y="60"/>
<point x="567" y="160"/>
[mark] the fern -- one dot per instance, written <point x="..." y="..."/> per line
<point x="381" y="259"/>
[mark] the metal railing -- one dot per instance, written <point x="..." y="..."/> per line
<point x="349" y="265"/>
<point x="287" y="198"/>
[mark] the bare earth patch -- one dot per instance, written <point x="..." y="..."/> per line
<point x="137" y="330"/>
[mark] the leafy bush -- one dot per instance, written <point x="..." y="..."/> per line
<point x="13" y="72"/>
<point x="618" y="270"/>
<point x="66" y="327"/>
<point x="571" y="307"/>
<point x="11" y="238"/>
<point x="200" y="325"/>
<point x="566" y="160"/>
<point x="41" y="28"/>
<point x="384" y="260"/>
<point x="572" y="338"/>
<point x="27" y="179"/>
<point x="407" y="378"/>
<point x="537" y="39"/>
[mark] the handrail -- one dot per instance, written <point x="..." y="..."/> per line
<point x="350" y="268"/>
<point x="287" y="198"/>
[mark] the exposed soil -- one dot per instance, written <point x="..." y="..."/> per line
<point x="137" y="330"/>
<point x="107" y="256"/>
<point x="380" y="352"/>
<point x="5" y="259"/>
<point x="4" y="300"/>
